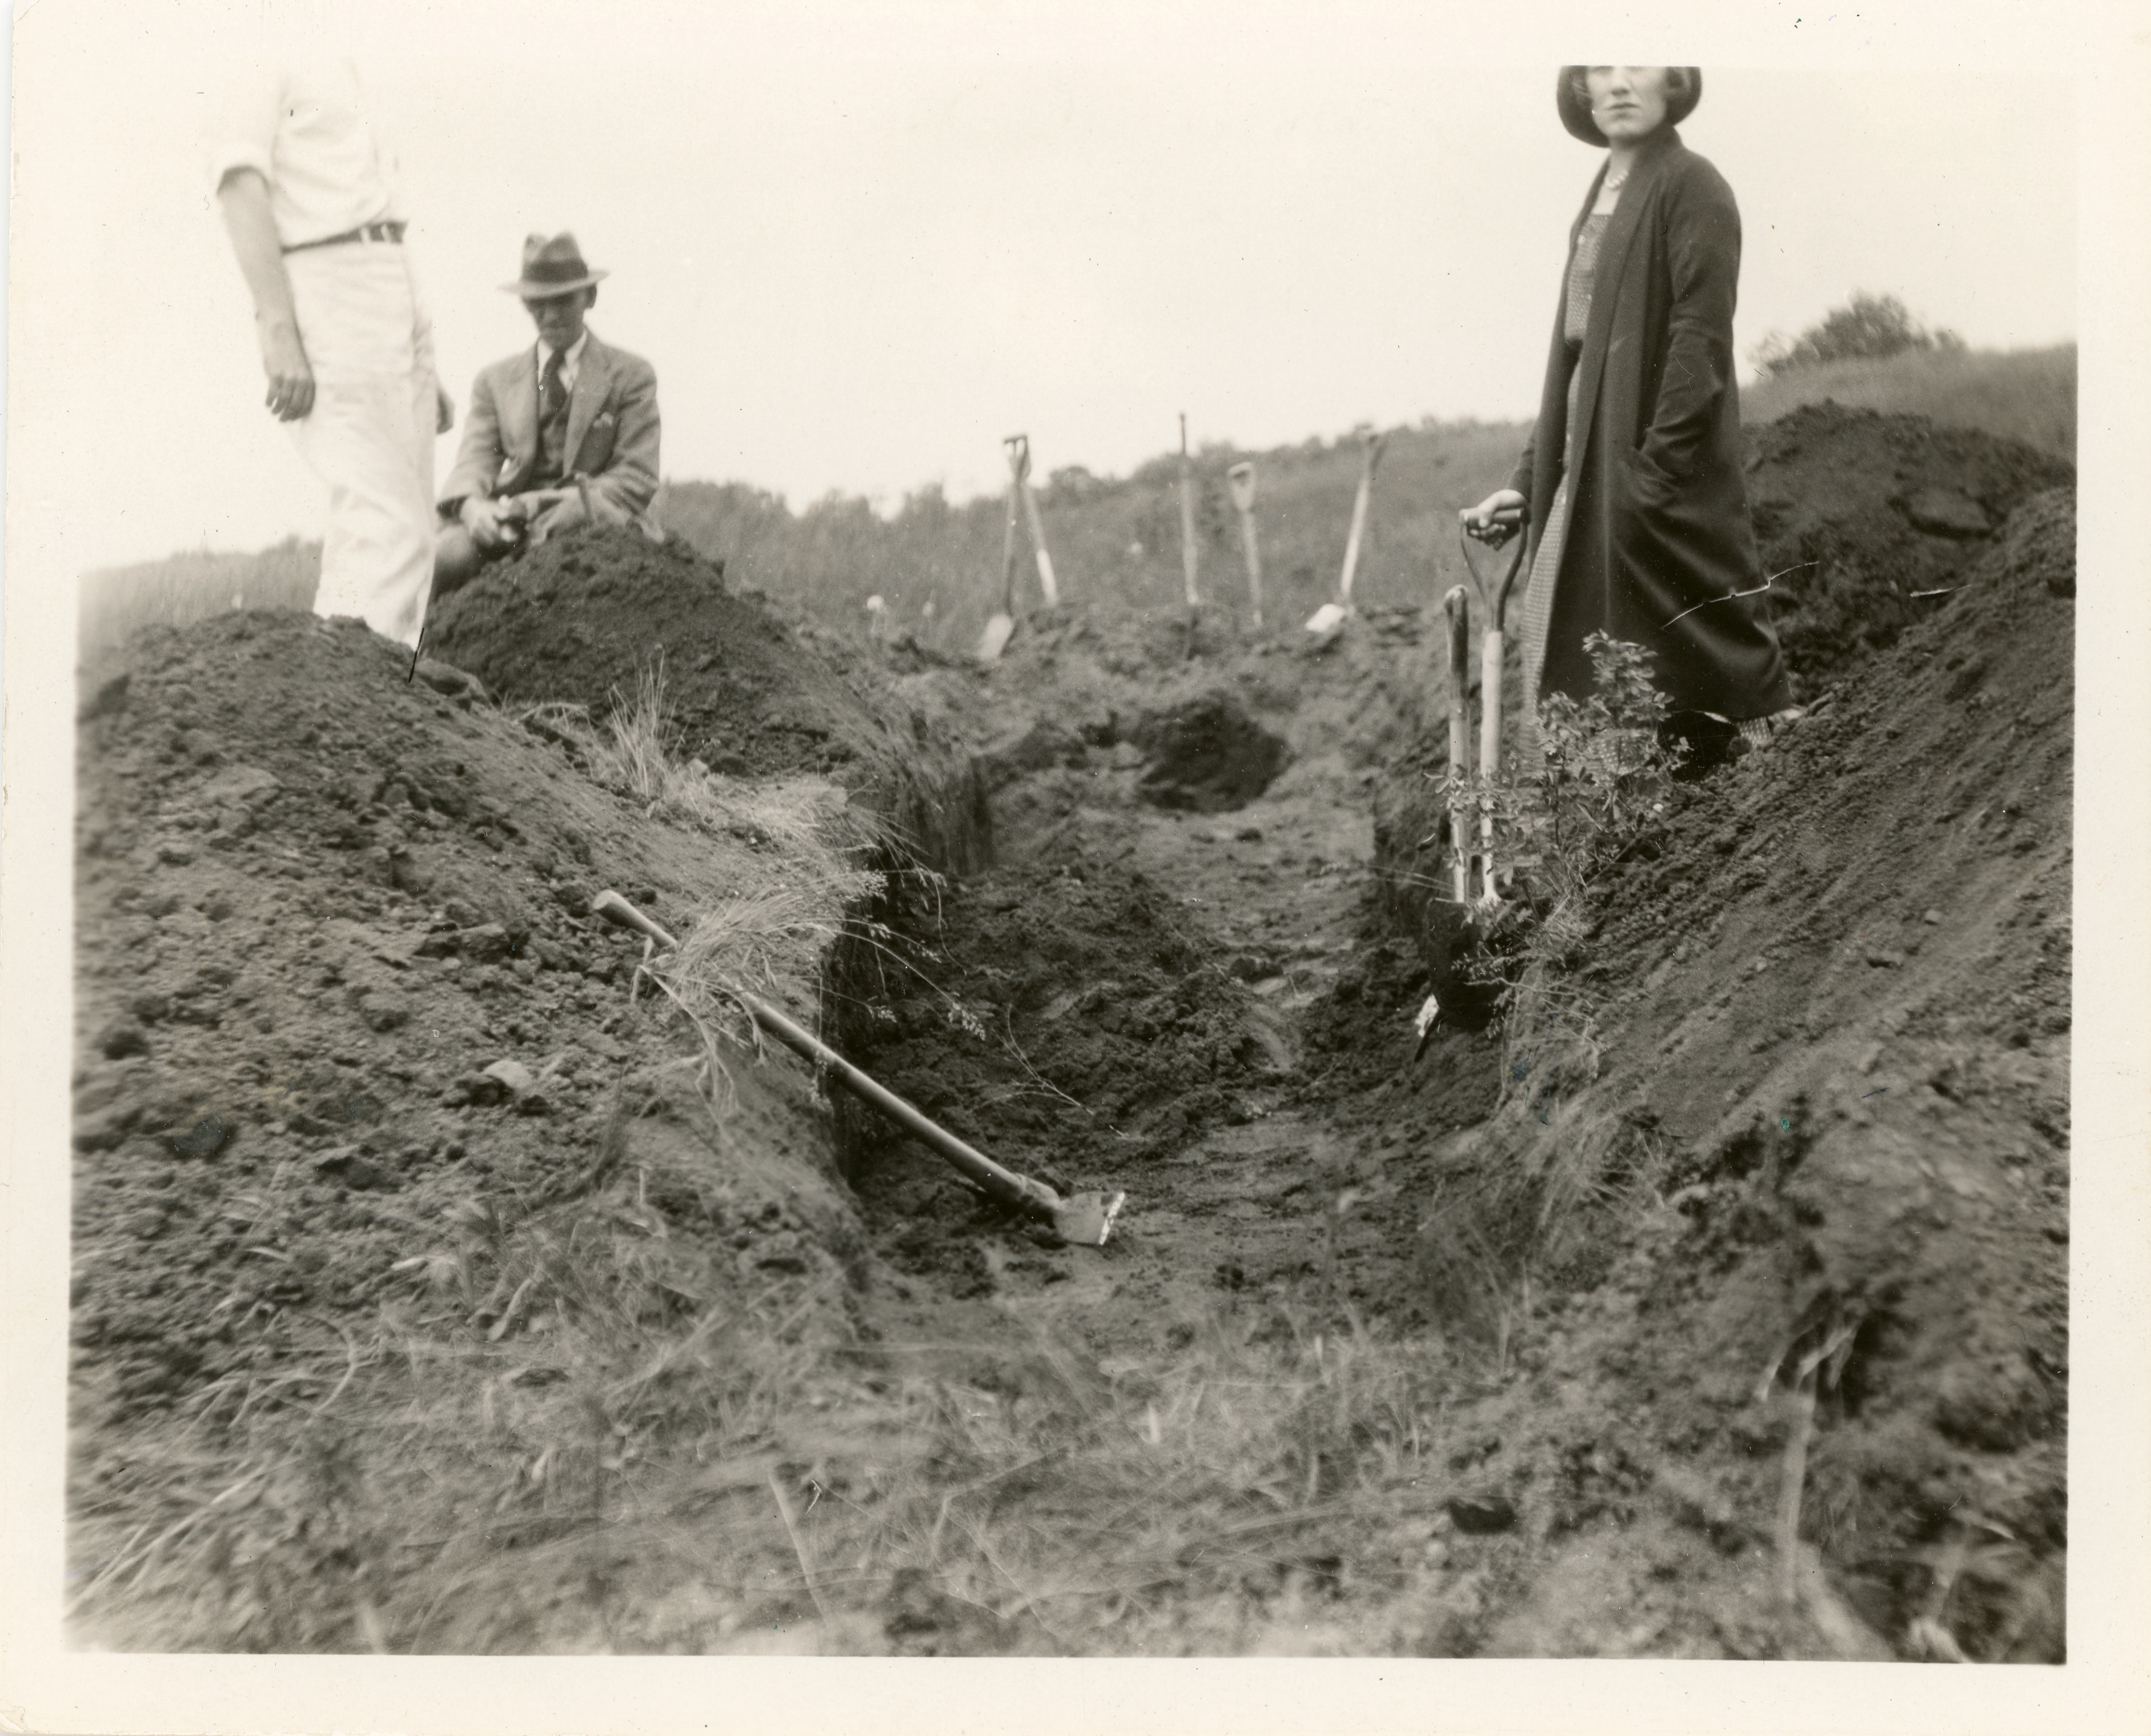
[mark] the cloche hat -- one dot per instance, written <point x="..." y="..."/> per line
<point x="552" y="266"/>
<point x="1574" y="101"/>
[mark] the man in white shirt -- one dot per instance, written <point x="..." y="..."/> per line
<point x="309" y="200"/>
<point x="565" y="430"/>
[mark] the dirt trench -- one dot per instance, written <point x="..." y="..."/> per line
<point x="1804" y="1081"/>
<point x="1159" y="922"/>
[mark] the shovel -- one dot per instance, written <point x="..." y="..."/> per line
<point x="1084" y="1220"/>
<point x="1496" y="599"/>
<point x="1330" y="615"/>
<point x="1000" y="625"/>
<point x="1018" y="446"/>
<point x="1190" y="560"/>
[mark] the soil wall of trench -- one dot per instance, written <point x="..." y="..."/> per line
<point x="1778" y="1147"/>
<point x="1793" y="1159"/>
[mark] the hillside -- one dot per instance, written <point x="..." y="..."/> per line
<point x="1116" y="541"/>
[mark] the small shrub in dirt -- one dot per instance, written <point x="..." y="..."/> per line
<point x="1608" y="767"/>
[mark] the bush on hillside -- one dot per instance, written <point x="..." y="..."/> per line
<point x="1867" y="327"/>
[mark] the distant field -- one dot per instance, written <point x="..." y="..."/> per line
<point x="1115" y="542"/>
<point x="114" y="603"/>
<point x="2027" y="395"/>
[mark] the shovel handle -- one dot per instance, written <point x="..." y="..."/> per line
<point x="1004" y="1185"/>
<point x="1495" y="599"/>
<point x="1045" y="581"/>
<point x="1457" y="605"/>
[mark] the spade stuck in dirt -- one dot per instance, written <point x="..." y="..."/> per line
<point x="1330" y="616"/>
<point x="1084" y="1220"/>
<point x="1000" y="627"/>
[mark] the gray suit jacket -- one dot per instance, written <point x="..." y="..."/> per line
<point x="612" y="429"/>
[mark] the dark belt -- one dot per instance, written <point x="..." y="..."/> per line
<point x="364" y="232"/>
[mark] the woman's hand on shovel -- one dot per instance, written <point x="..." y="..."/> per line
<point x="1496" y="519"/>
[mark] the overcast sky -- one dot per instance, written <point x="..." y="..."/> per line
<point x="862" y="244"/>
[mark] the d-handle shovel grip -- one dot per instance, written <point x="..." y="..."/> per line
<point x="1494" y="599"/>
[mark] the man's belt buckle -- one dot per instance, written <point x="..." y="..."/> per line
<point x="384" y="231"/>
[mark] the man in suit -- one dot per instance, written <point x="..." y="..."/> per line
<point x="564" y="431"/>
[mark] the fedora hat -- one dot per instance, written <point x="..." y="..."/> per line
<point x="552" y="266"/>
<point x="1573" y="100"/>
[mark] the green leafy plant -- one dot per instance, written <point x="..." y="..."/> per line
<point x="1604" y="766"/>
<point x="1608" y="764"/>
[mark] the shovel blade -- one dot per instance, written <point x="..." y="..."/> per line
<point x="1085" y="1220"/>
<point x="995" y="640"/>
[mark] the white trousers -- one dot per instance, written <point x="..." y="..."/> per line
<point x="370" y="435"/>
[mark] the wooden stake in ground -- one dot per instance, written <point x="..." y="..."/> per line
<point x="1187" y="555"/>
<point x="1242" y="477"/>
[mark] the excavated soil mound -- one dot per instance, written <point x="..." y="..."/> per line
<point x="1825" y="1014"/>
<point x="585" y="617"/>
<point x="1868" y="523"/>
<point x="581" y="618"/>
<point x="314" y="904"/>
<point x="1864" y="521"/>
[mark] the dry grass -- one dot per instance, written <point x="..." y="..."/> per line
<point x="2027" y="395"/>
<point x="621" y="1467"/>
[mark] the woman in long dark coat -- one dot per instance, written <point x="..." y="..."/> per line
<point x="1631" y="486"/>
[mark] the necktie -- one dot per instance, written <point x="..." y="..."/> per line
<point x="552" y="420"/>
<point x="554" y="398"/>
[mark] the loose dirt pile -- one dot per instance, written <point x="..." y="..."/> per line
<point x="1824" y="1021"/>
<point x="354" y="1060"/>
<point x="1864" y="520"/>
<point x="587" y="617"/>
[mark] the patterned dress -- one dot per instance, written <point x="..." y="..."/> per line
<point x="1546" y="565"/>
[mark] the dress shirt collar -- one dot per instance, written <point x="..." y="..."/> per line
<point x="571" y="360"/>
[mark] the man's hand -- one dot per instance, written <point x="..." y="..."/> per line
<point x="244" y="198"/>
<point x="291" y="375"/>
<point x="1496" y="519"/>
<point x="490" y="522"/>
<point x="444" y="415"/>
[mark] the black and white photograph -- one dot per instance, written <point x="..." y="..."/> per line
<point x="1195" y="838"/>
